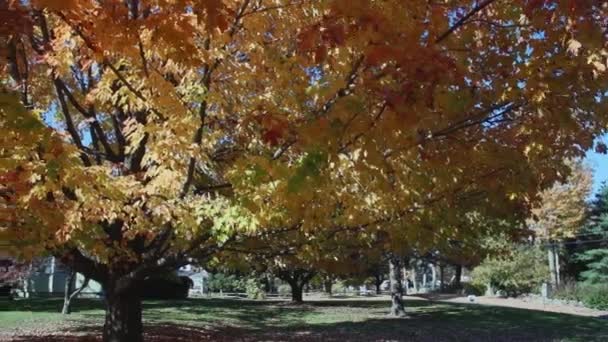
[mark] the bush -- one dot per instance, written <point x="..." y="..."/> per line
<point x="339" y="287"/>
<point x="167" y="286"/>
<point x="474" y="289"/>
<point x="226" y="283"/>
<point x="594" y="295"/>
<point x="284" y="290"/>
<point x="254" y="289"/>
<point x="522" y="271"/>
<point x="568" y="290"/>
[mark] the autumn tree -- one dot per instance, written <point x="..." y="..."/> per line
<point x="137" y="135"/>
<point x="296" y="257"/>
<point x="561" y="213"/>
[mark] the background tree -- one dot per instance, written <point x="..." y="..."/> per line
<point x="520" y="270"/>
<point x="592" y="248"/>
<point x="70" y="291"/>
<point x="561" y="213"/>
<point x="15" y="272"/>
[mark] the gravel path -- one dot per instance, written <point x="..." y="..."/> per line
<point x="530" y="304"/>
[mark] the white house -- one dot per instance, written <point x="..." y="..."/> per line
<point x="50" y="280"/>
<point x="199" y="279"/>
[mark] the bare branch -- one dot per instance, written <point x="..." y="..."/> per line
<point x="90" y="114"/>
<point x="344" y="91"/>
<point x="70" y="123"/>
<point x="198" y="136"/>
<point x="463" y="20"/>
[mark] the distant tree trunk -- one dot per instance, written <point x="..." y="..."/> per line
<point x="557" y="268"/>
<point x="424" y="279"/>
<point x="433" y="276"/>
<point x="52" y="276"/>
<point x="378" y="279"/>
<point x="442" y="277"/>
<point x="397" y="307"/>
<point x="70" y="294"/>
<point x="404" y="279"/>
<point x="458" y="276"/>
<point x="413" y="276"/>
<point x="552" y="268"/>
<point x="268" y="283"/>
<point x="327" y="284"/>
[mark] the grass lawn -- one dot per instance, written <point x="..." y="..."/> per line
<point x="328" y="320"/>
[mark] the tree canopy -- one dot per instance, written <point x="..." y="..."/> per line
<point x="139" y="134"/>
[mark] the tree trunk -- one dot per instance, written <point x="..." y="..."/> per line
<point x="70" y="293"/>
<point x="551" y="259"/>
<point x="458" y="276"/>
<point x="52" y="276"/>
<point x="67" y="293"/>
<point x="270" y="288"/>
<point x="557" y="268"/>
<point x="327" y="284"/>
<point x="433" y="276"/>
<point x="123" y="321"/>
<point x="414" y="280"/>
<point x="296" y="292"/>
<point x="397" y="307"/>
<point x="404" y="281"/>
<point x="378" y="283"/>
<point x="442" y="277"/>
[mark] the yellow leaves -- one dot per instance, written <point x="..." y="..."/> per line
<point x="562" y="207"/>
<point x="225" y="218"/>
<point x="599" y="62"/>
<point x="574" y="46"/>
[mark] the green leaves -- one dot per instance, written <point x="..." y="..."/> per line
<point x="308" y="170"/>
<point x="224" y="219"/>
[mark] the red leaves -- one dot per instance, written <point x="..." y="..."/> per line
<point x="377" y="55"/>
<point x="13" y="19"/>
<point x="9" y="177"/>
<point x="215" y="14"/>
<point x="318" y="38"/>
<point x="532" y="6"/>
<point x="273" y="129"/>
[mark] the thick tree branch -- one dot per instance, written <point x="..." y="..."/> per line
<point x="70" y="123"/>
<point x="90" y="115"/>
<point x="80" y="263"/>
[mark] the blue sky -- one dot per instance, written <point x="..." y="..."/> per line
<point x="599" y="163"/>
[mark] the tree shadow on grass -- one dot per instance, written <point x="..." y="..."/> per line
<point x="242" y="320"/>
<point x="153" y="332"/>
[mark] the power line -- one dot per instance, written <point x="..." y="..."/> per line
<point x="573" y="242"/>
